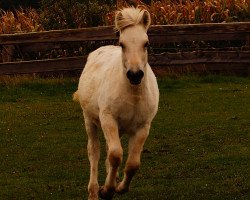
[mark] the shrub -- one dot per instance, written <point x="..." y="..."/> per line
<point x="73" y="13"/>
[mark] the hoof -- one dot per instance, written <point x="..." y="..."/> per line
<point x="106" y="194"/>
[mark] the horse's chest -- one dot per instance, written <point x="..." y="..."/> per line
<point x="132" y="115"/>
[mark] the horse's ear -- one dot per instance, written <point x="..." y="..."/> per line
<point x="146" y="19"/>
<point x="118" y="19"/>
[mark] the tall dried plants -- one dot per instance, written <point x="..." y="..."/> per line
<point x="22" y="20"/>
<point x="162" y="12"/>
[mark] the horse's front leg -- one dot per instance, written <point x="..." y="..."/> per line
<point x="93" y="148"/>
<point x="114" y="154"/>
<point x="136" y="143"/>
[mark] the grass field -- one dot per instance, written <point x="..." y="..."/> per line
<point x="198" y="148"/>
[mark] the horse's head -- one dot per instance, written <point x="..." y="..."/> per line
<point x="133" y="24"/>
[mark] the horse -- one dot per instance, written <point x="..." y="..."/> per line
<point x="118" y="92"/>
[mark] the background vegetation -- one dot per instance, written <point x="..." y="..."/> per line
<point x="66" y="14"/>
<point x="199" y="11"/>
<point x="74" y="13"/>
<point x="21" y="20"/>
<point x="15" y="4"/>
<point x="198" y="147"/>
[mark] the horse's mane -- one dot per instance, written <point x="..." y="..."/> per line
<point x="129" y="17"/>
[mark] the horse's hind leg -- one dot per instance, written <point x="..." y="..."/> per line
<point x="136" y="143"/>
<point x="94" y="155"/>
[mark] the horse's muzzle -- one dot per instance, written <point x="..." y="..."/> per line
<point x="135" y="77"/>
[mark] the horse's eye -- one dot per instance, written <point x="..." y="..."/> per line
<point x="146" y="45"/>
<point x="121" y="45"/>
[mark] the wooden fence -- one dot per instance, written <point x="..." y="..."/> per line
<point x="235" y="59"/>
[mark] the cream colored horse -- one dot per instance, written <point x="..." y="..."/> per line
<point x="118" y="91"/>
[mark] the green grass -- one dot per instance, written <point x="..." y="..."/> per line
<point x="198" y="147"/>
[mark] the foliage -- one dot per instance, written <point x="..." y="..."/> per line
<point x="198" y="11"/>
<point x="16" y="4"/>
<point x="171" y="12"/>
<point x="22" y="20"/>
<point x="72" y="13"/>
<point x="198" y="147"/>
<point x="193" y="11"/>
<point x="66" y="14"/>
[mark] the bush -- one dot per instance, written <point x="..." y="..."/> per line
<point x="73" y="13"/>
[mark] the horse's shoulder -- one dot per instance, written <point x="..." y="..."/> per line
<point x="102" y="56"/>
<point x="104" y="51"/>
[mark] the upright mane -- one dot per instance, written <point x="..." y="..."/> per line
<point x="130" y="17"/>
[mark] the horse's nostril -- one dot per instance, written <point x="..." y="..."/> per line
<point x="129" y="74"/>
<point x="140" y="73"/>
<point x="135" y="77"/>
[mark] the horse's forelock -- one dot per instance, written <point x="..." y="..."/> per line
<point x="130" y="17"/>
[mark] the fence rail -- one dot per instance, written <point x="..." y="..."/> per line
<point x="236" y="61"/>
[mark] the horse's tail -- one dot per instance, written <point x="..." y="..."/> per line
<point x="76" y="96"/>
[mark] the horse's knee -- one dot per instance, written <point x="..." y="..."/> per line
<point x="131" y="168"/>
<point x="115" y="157"/>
